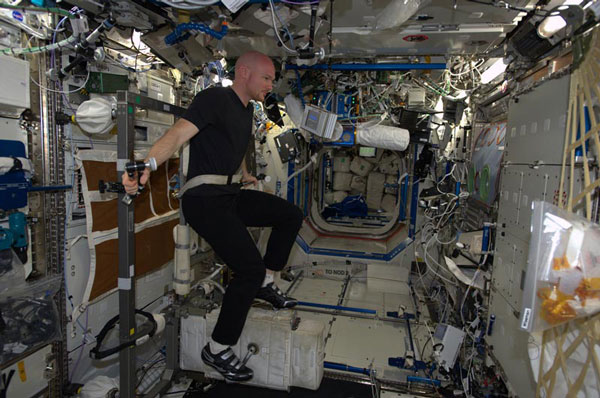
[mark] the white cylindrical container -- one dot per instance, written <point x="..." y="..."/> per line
<point x="181" y="277"/>
<point x="385" y="137"/>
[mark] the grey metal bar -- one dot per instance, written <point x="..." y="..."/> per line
<point x="150" y="103"/>
<point x="126" y="103"/>
<point x="291" y="286"/>
<point x="159" y="388"/>
<point x="126" y="228"/>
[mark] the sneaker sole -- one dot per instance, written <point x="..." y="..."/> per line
<point x="275" y="307"/>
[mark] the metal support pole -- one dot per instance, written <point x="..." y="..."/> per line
<point x="414" y="200"/>
<point x="367" y="67"/>
<point x="126" y="103"/>
<point x="171" y="337"/>
<point x="126" y="223"/>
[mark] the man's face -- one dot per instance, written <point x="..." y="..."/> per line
<point x="260" y="82"/>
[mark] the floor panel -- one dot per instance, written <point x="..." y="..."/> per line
<point x="360" y="342"/>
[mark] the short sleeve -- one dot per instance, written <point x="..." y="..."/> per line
<point x="201" y="110"/>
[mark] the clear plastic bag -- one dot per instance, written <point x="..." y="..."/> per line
<point x="563" y="269"/>
<point x="28" y="317"/>
<point x="12" y="271"/>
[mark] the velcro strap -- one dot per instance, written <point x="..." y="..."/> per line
<point x="214" y="179"/>
<point x="227" y="354"/>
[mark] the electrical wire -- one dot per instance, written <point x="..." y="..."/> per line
<point x="81" y="349"/>
<point x="483" y="261"/>
<point x="276" y="30"/>
<point x="427" y="255"/>
<point x="146" y="370"/>
<point x="506" y="5"/>
<point x="51" y="10"/>
<point x="61" y="91"/>
<point x="34" y="50"/>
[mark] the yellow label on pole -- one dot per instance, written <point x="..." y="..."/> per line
<point x="131" y="331"/>
<point x="22" y="374"/>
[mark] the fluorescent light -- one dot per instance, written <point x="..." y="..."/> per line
<point x="572" y="2"/>
<point x="493" y="71"/>
<point x="226" y="82"/>
<point x="551" y="25"/>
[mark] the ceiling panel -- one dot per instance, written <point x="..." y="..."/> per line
<point x="465" y="28"/>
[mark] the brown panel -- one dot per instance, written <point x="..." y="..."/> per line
<point x="104" y="214"/>
<point x="153" y="248"/>
<point x="159" y="183"/>
<point x="96" y="171"/>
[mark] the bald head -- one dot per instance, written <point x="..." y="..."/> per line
<point x="254" y="76"/>
<point x="252" y="60"/>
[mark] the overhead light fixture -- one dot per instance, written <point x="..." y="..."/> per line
<point x="538" y="36"/>
<point x="495" y="70"/>
<point x="551" y="25"/>
<point x="568" y="16"/>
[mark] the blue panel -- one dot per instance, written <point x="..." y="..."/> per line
<point x="306" y="193"/>
<point x="351" y="253"/>
<point x="13" y="186"/>
<point x="346" y="140"/>
<point x="346" y="368"/>
<point x="325" y="164"/>
<point x="485" y="241"/>
<point x="362" y="67"/>
<point x="414" y="200"/>
<point x="12" y="148"/>
<point x="345" y="105"/>
<point x="290" y="184"/>
<point x="337" y="307"/>
<point x="320" y="99"/>
<point x="298" y="193"/>
<point x="588" y="125"/>
<point x="403" y="198"/>
<point x="424" y="380"/>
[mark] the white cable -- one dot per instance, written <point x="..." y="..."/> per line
<point x="481" y="61"/>
<point x="445" y="243"/>
<point x="313" y="159"/>
<point x="443" y="178"/>
<point x="59" y="91"/>
<point x="150" y="197"/>
<point x="469" y="287"/>
<point x="277" y="31"/>
<point x="215" y="284"/>
<point x="168" y="184"/>
<point x="439" y="267"/>
<point x="50" y="47"/>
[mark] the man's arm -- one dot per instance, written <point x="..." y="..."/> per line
<point x="162" y="150"/>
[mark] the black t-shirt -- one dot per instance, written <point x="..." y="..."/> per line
<point x="225" y="127"/>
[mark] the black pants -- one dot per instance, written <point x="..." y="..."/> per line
<point x="222" y="220"/>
